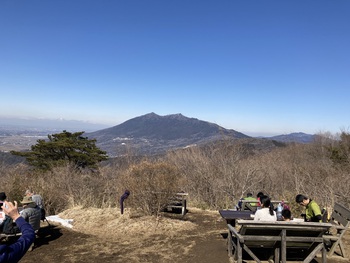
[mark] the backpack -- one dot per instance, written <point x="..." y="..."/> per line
<point x="9" y="227"/>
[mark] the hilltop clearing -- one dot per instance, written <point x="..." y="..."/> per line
<point x="106" y="236"/>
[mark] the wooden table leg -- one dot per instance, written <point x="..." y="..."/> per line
<point x="277" y="255"/>
<point x="239" y="252"/>
<point x="229" y="244"/>
<point x="283" y="246"/>
<point x="324" y="254"/>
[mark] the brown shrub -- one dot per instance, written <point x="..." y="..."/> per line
<point x="215" y="177"/>
<point x="152" y="184"/>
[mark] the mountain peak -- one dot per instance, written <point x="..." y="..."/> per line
<point x="153" y="115"/>
<point x="150" y="115"/>
<point x="154" y="133"/>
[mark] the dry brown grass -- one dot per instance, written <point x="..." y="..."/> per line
<point x="109" y="223"/>
<point x="104" y="235"/>
<point x="139" y="238"/>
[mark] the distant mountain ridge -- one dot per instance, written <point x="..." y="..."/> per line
<point x="297" y="137"/>
<point x="153" y="134"/>
<point x="143" y="135"/>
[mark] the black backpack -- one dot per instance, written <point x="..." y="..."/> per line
<point x="9" y="227"/>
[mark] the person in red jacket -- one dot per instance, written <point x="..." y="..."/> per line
<point x="14" y="252"/>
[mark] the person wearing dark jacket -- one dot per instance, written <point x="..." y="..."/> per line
<point x="122" y="198"/>
<point x="31" y="212"/>
<point x="14" y="252"/>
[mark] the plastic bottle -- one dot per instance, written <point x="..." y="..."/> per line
<point x="279" y="212"/>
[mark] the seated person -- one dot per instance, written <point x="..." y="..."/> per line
<point x="31" y="212"/>
<point x="39" y="202"/>
<point x="36" y="198"/>
<point x="266" y="213"/>
<point x="312" y="210"/>
<point x="15" y="251"/>
<point x="286" y="215"/>
<point x="248" y="197"/>
<point x="258" y="196"/>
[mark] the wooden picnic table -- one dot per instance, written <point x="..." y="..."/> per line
<point x="232" y="215"/>
<point x="276" y="239"/>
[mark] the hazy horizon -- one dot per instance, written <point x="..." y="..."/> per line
<point x="76" y="125"/>
<point x="257" y="67"/>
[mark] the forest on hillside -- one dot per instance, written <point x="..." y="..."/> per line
<point x="215" y="177"/>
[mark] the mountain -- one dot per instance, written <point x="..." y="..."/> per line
<point x="149" y="134"/>
<point x="297" y="137"/>
<point x="154" y="134"/>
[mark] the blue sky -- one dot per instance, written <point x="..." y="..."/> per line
<point x="259" y="67"/>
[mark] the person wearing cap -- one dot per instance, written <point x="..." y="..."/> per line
<point x="312" y="210"/>
<point x="39" y="202"/>
<point x="31" y="212"/>
<point x="14" y="252"/>
<point x="36" y="198"/>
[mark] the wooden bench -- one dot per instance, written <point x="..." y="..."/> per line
<point x="178" y="202"/>
<point x="262" y="240"/>
<point x="340" y="220"/>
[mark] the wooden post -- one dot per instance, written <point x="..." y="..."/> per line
<point x="229" y="244"/>
<point x="324" y="253"/>
<point x="239" y="252"/>
<point x="277" y="255"/>
<point x="283" y="246"/>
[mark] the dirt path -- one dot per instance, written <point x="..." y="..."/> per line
<point x="204" y="243"/>
<point x="210" y="246"/>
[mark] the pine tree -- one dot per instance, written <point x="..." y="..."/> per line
<point x="64" y="148"/>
